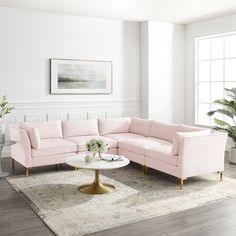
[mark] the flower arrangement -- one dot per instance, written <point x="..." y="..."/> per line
<point x="97" y="146"/>
<point x="4" y="107"/>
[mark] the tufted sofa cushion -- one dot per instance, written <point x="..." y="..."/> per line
<point x="124" y="136"/>
<point x="82" y="140"/>
<point x="54" y="146"/>
<point x="140" y="145"/>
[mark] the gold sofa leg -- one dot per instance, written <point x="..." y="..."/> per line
<point x="221" y="175"/>
<point x="144" y="170"/>
<point x="57" y="166"/>
<point x="13" y="165"/>
<point x="181" y="183"/>
<point x="26" y="172"/>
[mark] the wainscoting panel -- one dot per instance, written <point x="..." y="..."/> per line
<point x="45" y="111"/>
<point x="70" y="110"/>
<point x="32" y="117"/>
<point x="76" y="116"/>
<point x="56" y="116"/>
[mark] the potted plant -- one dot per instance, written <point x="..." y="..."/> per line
<point x="228" y="109"/>
<point x="4" y="109"/>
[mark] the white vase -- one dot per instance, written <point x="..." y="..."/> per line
<point x="2" y="132"/>
<point x="232" y="155"/>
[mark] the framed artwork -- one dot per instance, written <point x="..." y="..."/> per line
<point x="80" y="77"/>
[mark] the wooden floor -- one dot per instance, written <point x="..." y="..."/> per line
<point x="17" y="218"/>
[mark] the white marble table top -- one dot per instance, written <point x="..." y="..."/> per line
<point x="78" y="161"/>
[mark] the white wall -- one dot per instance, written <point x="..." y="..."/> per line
<point x="144" y="69"/>
<point x="30" y="38"/>
<point x="163" y="77"/>
<point x="216" y="26"/>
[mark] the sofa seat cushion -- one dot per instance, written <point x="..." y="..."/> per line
<point x="123" y="136"/>
<point x="138" y="145"/>
<point x="54" y="146"/>
<point x="82" y="140"/>
<point x="162" y="152"/>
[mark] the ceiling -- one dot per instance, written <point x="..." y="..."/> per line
<point x="174" y="11"/>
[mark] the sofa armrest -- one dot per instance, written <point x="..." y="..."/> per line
<point x="202" y="154"/>
<point x="21" y="151"/>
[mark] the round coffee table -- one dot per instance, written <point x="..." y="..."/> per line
<point x="96" y="187"/>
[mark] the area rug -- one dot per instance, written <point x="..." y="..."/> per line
<point x="57" y="201"/>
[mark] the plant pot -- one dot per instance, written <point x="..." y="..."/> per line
<point x="2" y="132"/>
<point x="232" y="155"/>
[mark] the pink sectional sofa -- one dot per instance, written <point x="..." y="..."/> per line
<point x="176" y="149"/>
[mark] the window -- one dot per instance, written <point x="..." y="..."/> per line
<point x="215" y="69"/>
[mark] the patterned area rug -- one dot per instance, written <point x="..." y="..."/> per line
<point x="57" y="201"/>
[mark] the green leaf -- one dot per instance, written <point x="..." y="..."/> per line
<point x="228" y="109"/>
<point x="221" y="111"/>
<point x="210" y="113"/>
<point x="231" y="91"/>
<point x="4" y="107"/>
<point x="227" y="105"/>
<point x="221" y="123"/>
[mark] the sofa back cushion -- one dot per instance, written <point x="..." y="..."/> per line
<point x="73" y="128"/>
<point x="163" y="130"/>
<point x="180" y="135"/>
<point x="33" y="135"/>
<point x="47" y="129"/>
<point x="188" y="128"/>
<point x="140" y="126"/>
<point x="34" y="138"/>
<point x="113" y="126"/>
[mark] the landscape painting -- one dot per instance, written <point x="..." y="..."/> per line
<point x="81" y="77"/>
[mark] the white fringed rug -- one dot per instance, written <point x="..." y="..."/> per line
<point x="57" y="201"/>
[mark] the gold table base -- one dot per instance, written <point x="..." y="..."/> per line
<point x="96" y="187"/>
